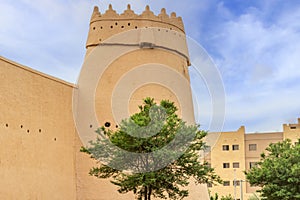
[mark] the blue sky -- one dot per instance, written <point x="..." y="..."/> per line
<point x="255" y="45"/>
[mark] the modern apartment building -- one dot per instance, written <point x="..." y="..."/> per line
<point x="237" y="151"/>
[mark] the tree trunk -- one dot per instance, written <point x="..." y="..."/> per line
<point x="149" y="192"/>
<point x="145" y="193"/>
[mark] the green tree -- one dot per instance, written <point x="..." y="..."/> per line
<point x="227" y="197"/>
<point x="278" y="172"/>
<point x="216" y="197"/>
<point x="254" y="197"/>
<point x="135" y="168"/>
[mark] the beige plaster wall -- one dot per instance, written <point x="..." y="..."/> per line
<point x="292" y="131"/>
<point x="36" y="134"/>
<point x="101" y="30"/>
<point x="218" y="157"/>
<point x="262" y="141"/>
<point x="122" y="67"/>
<point x="92" y="188"/>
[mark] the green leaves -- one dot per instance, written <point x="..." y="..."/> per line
<point x="157" y="149"/>
<point x="278" y="172"/>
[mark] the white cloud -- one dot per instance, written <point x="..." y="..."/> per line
<point x="248" y="42"/>
<point x="261" y="61"/>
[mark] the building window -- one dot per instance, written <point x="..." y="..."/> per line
<point x="236" y="165"/>
<point x="226" y="183"/>
<point x="237" y="182"/>
<point x="226" y="165"/>
<point x="225" y="147"/>
<point x="235" y="147"/>
<point x="252" y="147"/>
<point x="252" y="164"/>
<point x="293" y="127"/>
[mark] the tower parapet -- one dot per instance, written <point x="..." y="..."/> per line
<point x="102" y="26"/>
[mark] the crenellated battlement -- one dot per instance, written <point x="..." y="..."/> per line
<point x="102" y="26"/>
<point x="129" y="14"/>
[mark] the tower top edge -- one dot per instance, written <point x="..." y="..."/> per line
<point x="129" y="14"/>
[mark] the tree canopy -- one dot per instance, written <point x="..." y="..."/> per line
<point x="153" y="153"/>
<point x="278" y="172"/>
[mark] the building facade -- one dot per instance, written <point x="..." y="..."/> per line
<point x="238" y="151"/>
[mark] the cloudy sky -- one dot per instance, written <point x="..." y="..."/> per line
<point x="255" y="45"/>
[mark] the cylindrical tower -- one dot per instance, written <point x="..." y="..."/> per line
<point x="152" y="61"/>
<point x="129" y="57"/>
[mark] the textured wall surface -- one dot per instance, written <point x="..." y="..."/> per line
<point x="219" y="156"/>
<point x="36" y="134"/>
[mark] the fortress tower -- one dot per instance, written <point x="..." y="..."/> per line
<point x="135" y="56"/>
<point x="130" y="57"/>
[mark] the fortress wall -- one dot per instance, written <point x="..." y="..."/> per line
<point x="36" y="134"/>
<point x="90" y="187"/>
